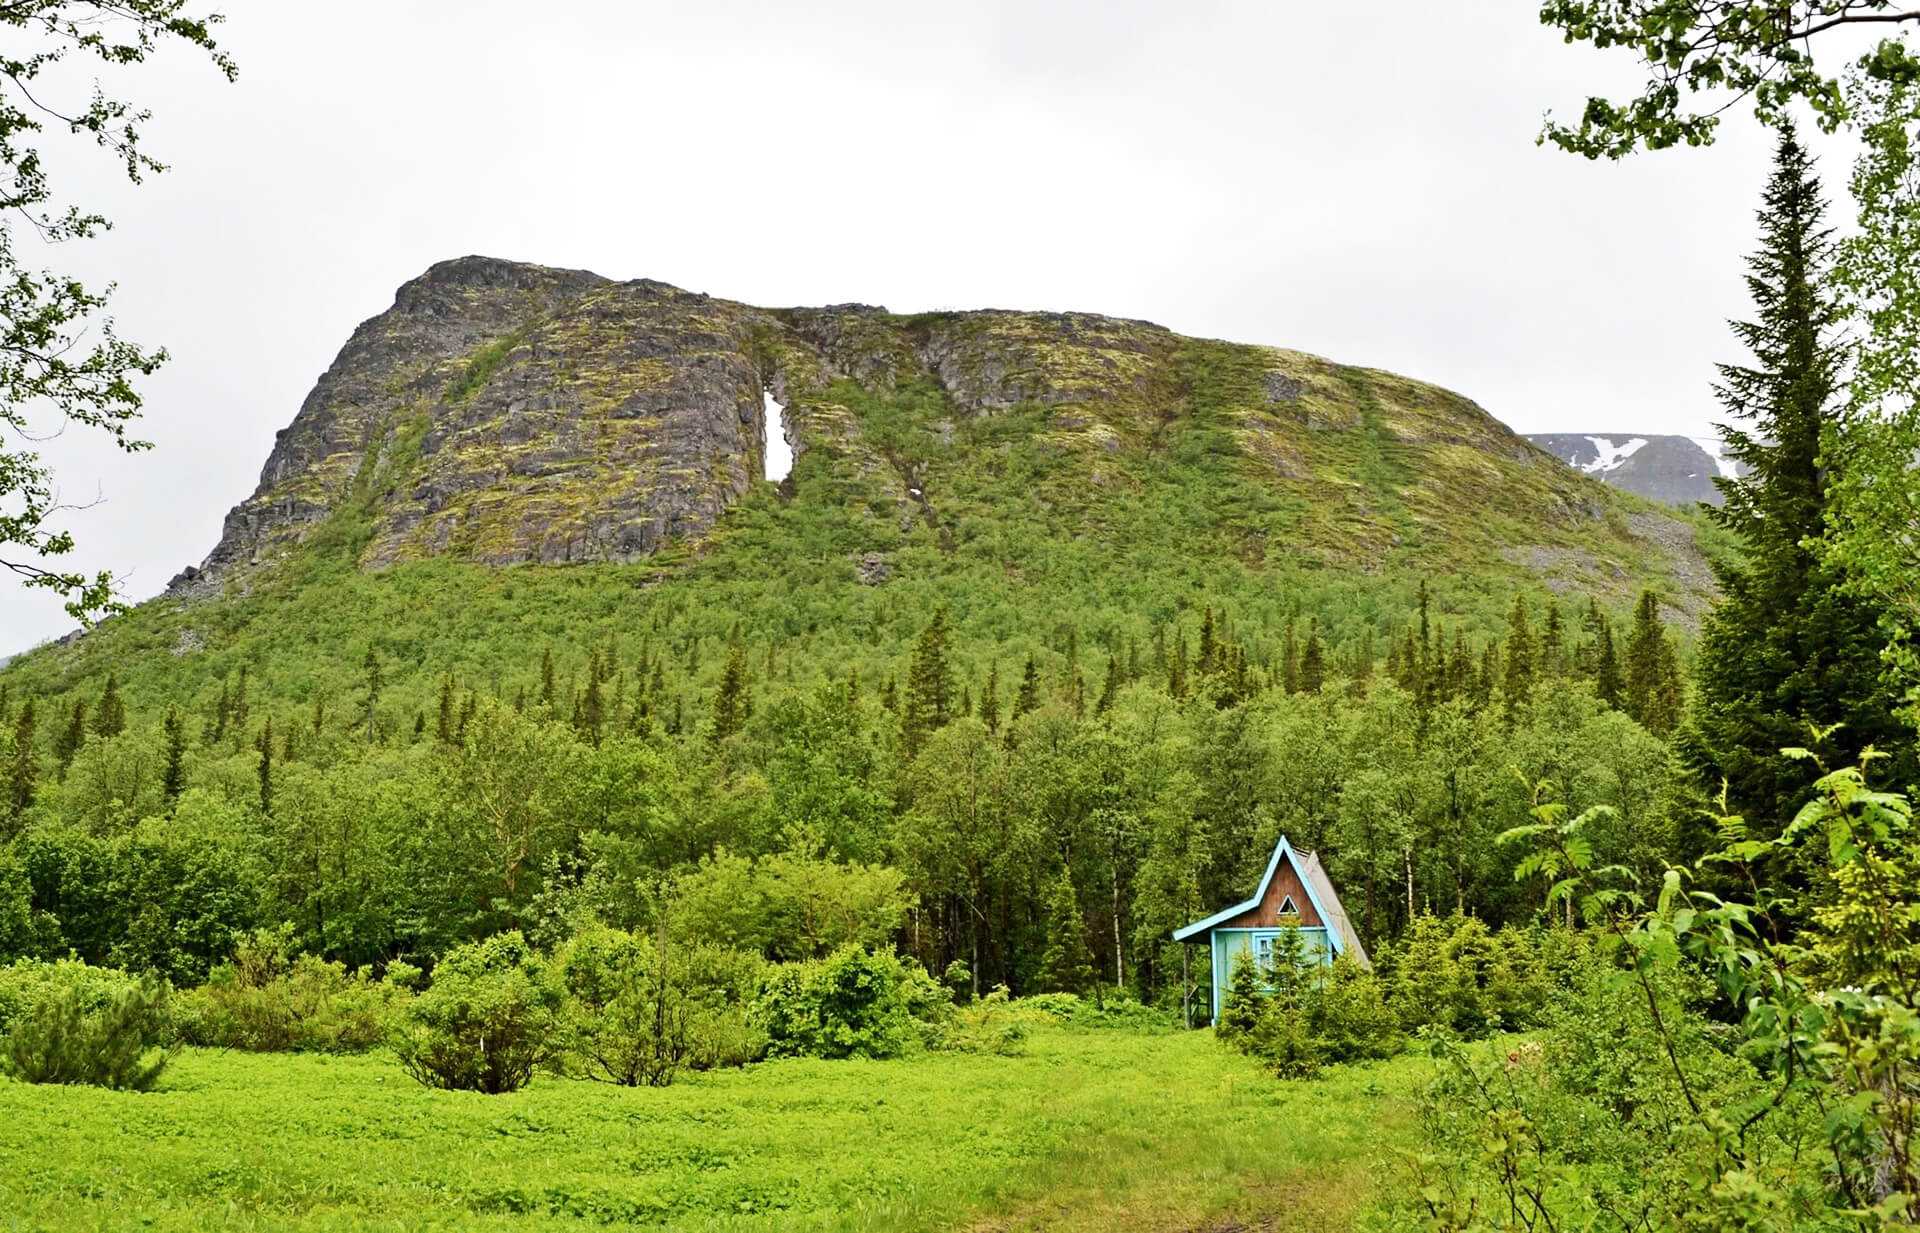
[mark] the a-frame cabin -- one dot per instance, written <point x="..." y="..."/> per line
<point x="1294" y="889"/>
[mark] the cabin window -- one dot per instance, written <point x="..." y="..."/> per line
<point x="1287" y="908"/>
<point x="1263" y="951"/>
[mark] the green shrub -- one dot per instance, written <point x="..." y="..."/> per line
<point x="489" y="1018"/>
<point x="1284" y="1038"/>
<point x="1456" y="974"/>
<point x="1115" y="1009"/>
<point x="853" y="1003"/>
<point x="66" y="1022"/>
<point x="1350" y="1016"/>
<point x="994" y="1024"/>
<point x="264" y="1002"/>
<point x="638" y="1008"/>
<point x="1240" y="1008"/>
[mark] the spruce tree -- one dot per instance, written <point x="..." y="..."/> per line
<point x="110" y="713"/>
<point x="1518" y="684"/>
<point x="929" y="696"/>
<point x="1209" y="654"/>
<point x="1028" y="699"/>
<point x="265" y="746"/>
<point x="23" y="775"/>
<point x="73" y="737"/>
<point x="443" y="728"/>
<point x="548" y="698"/>
<point x="1289" y="660"/>
<point x="731" y="705"/>
<point x="371" y="667"/>
<point x="1787" y="645"/>
<point x="1608" y="683"/>
<point x="1066" y="965"/>
<point x="1313" y="661"/>
<point x="239" y="718"/>
<point x="1653" y="673"/>
<point x="1553" y="645"/>
<point x="1110" y="688"/>
<point x="173" y="767"/>
<point x="990" y="700"/>
<point x="591" y="716"/>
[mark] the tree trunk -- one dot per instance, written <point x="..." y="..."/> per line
<point x="1119" y="961"/>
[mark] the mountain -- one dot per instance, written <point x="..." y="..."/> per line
<point x="1035" y="472"/>
<point x="1674" y="470"/>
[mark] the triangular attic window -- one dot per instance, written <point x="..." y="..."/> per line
<point x="1287" y="908"/>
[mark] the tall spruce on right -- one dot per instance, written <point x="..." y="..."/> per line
<point x="1786" y="645"/>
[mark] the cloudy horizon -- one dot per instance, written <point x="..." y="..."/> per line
<point x="1363" y="186"/>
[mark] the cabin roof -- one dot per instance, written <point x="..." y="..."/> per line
<point x="1326" y="903"/>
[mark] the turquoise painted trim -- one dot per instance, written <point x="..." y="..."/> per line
<point x="1181" y="935"/>
<point x="1283" y="848"/>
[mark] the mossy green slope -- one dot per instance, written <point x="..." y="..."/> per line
<point x="1036" y="472"/>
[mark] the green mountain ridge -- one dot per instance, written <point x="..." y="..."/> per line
<point x="1029" y="470"/>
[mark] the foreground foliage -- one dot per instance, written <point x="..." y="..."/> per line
<point x="1089" y="1129"/>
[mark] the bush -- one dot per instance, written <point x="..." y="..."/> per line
<point x="66" y="1022"/>
<point x="638" y="1008"/>
<point x="1457" y="975"/>
<point x="489" y="1018"/>
<point x="995" y="1024"/>
<point x="1350" y="1016"/>
<point x="264" y="1002"/>
<point x="853" y="1003"/>
<point x="1115" y="1009"/>
<point x="1241" y="1007"/>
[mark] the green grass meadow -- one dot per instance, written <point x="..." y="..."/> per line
<point x="1088" y="1129"/>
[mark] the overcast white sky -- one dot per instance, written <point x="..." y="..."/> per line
<point x="1359" y="181"/>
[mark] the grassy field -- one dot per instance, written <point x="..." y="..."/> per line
<point x="1108" y="1130"/>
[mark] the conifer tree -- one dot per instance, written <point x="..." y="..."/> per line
<point x="265" y="746"/>
<point x="732" y="704"/>
<point x="443" y="730"/>
<point x="1483" y="684"/>
<point x="110" y="713"/>
<point x="1788" y="645"/>
<point x="591" y="716"/>
<point x="1066" y="965"/>
<point x="1553" y="645"/>
<point x="1027" y="700"/>
<point x="73" y="737"/>
<point x="370" y="667"/>
<point x="548" y="698"/>
<point x="319" y="713"/>
<point x="990" y="700"/>
<point x="23" y="775"/>
<point x="929" y="695"/>
<point x="1209" y="654"/>
<point x="1110" y="688"/>
<point x="173" y="766"/>
<point x="238" y="724"/>
<point x="1518" y="683"/>
<point x="1313" y="661"/>
<point x="1289" y="659"/>
<point x="1608" y="684"/>
<point x="1653" y="673"/>
<point x="216" y="726"/>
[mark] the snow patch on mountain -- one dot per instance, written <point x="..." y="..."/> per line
<point x="1717" y="450"/>
<point x="1611" y="455"/>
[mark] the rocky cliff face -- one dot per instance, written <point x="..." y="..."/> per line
<point x="505" y="413"/>
<point x="1673" y="470"/>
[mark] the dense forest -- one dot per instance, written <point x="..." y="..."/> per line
<point x="494" y="751"/>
